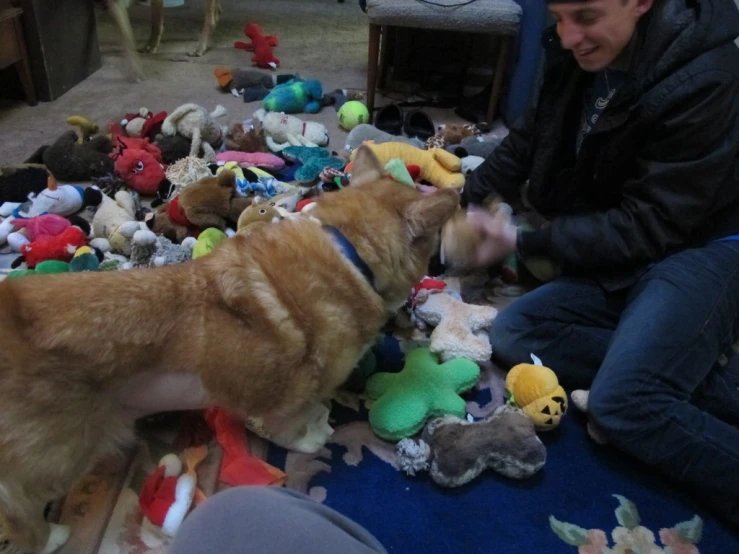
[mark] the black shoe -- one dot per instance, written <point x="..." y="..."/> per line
<point x="419" y="124"/>
<point x="390" y="119"/>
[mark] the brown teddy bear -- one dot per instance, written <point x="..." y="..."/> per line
<point x="241" y="140"/>
<point x="210" y="202"/>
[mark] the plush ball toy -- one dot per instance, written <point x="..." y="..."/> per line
<point x="424" y="389"/>
<point x="351" y="114"/>
<point x="536" y="390"/>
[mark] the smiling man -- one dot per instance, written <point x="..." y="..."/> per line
<point x="631" y="155"/>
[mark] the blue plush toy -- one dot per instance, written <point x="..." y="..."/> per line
<point x="295" y="96"/>
<point x="314" y="160"/>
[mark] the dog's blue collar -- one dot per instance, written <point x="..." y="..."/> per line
<point x="347" y="248"/>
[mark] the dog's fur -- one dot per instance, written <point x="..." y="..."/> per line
<point x="267" y="325"/>
<point x="119" y="11"/>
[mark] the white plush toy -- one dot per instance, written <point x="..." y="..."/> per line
<point x="194" y="122"/>
<point x="282" y="130"/>
<point x="114" y="223"/>
<point x="461" y="329"/>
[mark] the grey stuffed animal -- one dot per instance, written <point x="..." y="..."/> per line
<point x="365" y="131"/>
<point x="150" y="250"/>
<point x="455" y="451"/>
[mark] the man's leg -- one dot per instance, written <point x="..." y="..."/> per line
<point x="269" y="520"/>
<point x="568" y="323"/>
<point x="679" y="319"/>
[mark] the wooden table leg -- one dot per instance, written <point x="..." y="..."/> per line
<point x="499" y="78"/>
<point x="372" y="63"/>
<point x="23" y="67"/>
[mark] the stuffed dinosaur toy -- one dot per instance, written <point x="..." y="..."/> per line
<point x="283" y="130"/>
<point x="438" y="167"/>
<point x="461" y="330"/>
<point x="455" y="451"/>
<point x="295" y="96"/>
<point x="314" y="161"/>
<point x="536" y="390"/>
<point x="195" y="123"/>
<point x="261" y="45"/>
<point x="404" y="401"/>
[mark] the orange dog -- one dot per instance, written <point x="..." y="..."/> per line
<point x="267" y="326"/>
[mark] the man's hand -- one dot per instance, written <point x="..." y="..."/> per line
<point x="498" y="237"/>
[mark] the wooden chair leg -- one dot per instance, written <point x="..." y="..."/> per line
<point x="499" y="78"/>
<point x="23" y="67"/>
<point x="385" y="34"/>
<point x="372" y="63"/>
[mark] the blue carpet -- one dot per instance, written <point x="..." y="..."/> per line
<point x="494" y="515"/>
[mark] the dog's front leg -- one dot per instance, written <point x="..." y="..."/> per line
<point x="118" y="9"/>
<point x="157" y="27"/>
<point x="210" y="20"/>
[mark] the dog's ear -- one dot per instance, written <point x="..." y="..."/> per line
<point x="366" y="168"/>
<point x="429" y="213"/>
<point x="227" y="179"/>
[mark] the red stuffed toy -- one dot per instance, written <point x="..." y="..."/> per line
<point x="139" y="164"/>
<point x="61" y="247"/>
<point x="261" y="46"/>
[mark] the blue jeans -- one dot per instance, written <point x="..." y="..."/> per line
<point x="649" y="356"/>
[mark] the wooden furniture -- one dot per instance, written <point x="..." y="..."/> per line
<point x="13" y="50"/>
<point x="62" y="42"/>
<point x="500" y="18"/>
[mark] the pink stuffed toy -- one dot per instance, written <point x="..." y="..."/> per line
<point x="252" y="159"/>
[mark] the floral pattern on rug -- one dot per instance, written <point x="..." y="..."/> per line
<point x="630" y="537"/>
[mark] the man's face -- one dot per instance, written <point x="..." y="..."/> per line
<point x="597" y="31"/>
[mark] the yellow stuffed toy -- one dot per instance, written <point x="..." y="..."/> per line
<point x="438" y="167"/>
<point x="536" y="390"/>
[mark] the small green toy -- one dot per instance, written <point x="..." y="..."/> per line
<point x="207" y="241"/>
<point x="423" y="389"/>
<point x="314" y="160"/>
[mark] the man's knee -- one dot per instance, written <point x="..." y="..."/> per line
<point x="507" y="338"/>
<point x="617" y="412"/>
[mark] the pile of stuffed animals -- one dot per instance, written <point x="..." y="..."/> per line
<point x="140" y="190"/>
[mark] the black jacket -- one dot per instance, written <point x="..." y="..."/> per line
<point x="659" y="170"/>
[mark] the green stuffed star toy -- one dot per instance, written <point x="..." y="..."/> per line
<point x="423" y="389"/>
